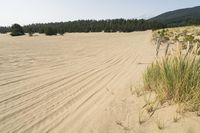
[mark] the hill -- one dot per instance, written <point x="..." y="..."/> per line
<point x="181" y="17"/>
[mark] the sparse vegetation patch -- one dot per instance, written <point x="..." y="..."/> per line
<point x="176" y="78"/>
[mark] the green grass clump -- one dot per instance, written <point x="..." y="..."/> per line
<point x="175" y="78"/>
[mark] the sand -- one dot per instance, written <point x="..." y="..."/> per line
<point x="78" y="83"/>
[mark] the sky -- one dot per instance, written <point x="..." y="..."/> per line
<point x="43" y="11"/>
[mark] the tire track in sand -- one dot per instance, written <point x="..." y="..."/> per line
<point x="58" y="95"/>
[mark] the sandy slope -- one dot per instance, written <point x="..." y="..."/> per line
<point x="77" y="83"/>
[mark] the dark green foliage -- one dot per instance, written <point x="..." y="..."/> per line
<point x="120" y="25"/>
<point x="30" y="31"/>
<point x="4" y="30"/>
<point x="61" y="31"/>
<point x="50" y="31"/>
<point x="17" y="30"/>
<point x="114" y="25"/>
<point x="40" y="30"/>
<point x="182" y="17"/>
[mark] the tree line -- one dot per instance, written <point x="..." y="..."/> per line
<point x="114" y="25"/>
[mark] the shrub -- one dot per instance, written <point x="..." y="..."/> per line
<point x="30" y="31"/>
<point x="49" y="31"/>
<point x="189" y="38"/>
<point x="175" y="78"/>
<point x="30" y="34"/>
<point x="61" y="32"/>
<point x="17" y="30"/>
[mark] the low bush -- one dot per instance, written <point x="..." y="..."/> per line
<point x="16" y="30"/>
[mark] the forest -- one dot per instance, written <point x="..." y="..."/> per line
<point x="110" y="25"/>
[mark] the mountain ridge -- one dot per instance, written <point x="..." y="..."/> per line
<point x="180" y="17"/>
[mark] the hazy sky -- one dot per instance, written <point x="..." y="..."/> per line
<point x="35" y="11"/>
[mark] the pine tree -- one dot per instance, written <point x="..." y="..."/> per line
<point x="17" y="30"/>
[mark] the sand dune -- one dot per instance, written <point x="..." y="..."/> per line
<point x="63" y="84"/>
<point x="77" y="83"/>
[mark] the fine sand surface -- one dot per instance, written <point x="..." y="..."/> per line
<point x="77" y="83"/>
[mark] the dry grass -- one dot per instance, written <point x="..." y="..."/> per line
<point x="160" y="124"/>
<point x="176" y="118"/>
<point x="141" y="118"/>
<point x="176" y="78"/>
<point x="138" y="91"/>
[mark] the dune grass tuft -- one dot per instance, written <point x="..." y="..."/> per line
<point x="175" y="78"/>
